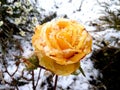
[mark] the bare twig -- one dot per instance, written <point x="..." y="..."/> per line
<point x="15" y="71"/>
<point x="79" y="9"/>
<point x="42" y="67"/>
<point x="11" y="75"/>
<point x="33" y="81"/>
<point x="56" y="79"/>
<point x="38" y="77"/>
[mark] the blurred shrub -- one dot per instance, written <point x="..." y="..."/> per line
<point x="107" y="61"/>
<point x="17" y="21"/>
<point x="111" y="14"/>
<point x="16" y="17"/>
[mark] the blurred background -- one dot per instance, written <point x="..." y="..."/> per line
<point x="101" y="19"/>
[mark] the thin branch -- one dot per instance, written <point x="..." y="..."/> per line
<point x="79" y="9"/>
<point x="42" y="67"/>
<point x="56" y="79"/>
<point x="33" y="81"/>
<point x="15" y="70"/>
<point x="38" y="78"/>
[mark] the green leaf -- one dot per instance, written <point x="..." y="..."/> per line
<point x="31" y="63"/>
<point x="77" y="72"/>
<point x="82" y="71"/>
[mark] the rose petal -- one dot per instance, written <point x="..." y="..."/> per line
<point x="58" y="69"/>
<point x="61" y="44"/>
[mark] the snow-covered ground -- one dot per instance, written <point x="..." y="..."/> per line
<point x="84" y="11"/>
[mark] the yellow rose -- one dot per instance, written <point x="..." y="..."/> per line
<point x="61" y="44"/>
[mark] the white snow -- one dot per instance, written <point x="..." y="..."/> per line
<point x="89" y="11"/>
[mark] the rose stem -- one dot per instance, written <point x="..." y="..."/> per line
<point x="42" y="67"/>
<point x="56" y="79"/>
